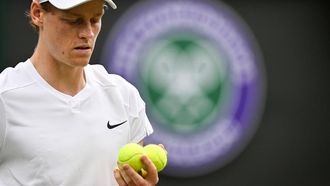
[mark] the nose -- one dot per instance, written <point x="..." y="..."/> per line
<point x="86" y="31"/>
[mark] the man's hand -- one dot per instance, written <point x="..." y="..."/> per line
<point x="127" y="176"/>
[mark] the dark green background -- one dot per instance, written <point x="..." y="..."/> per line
<point x="292" y="144"/>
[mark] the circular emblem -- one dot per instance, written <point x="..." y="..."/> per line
<point x="200" y="73"/>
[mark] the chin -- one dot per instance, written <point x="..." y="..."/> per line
<point x="81" y="62"/>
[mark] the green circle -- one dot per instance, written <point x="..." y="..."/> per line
<point x="183" y="80"/>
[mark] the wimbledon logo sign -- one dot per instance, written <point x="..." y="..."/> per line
<point x="200" y="73"/>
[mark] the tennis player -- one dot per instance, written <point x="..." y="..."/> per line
<point x="62" y="120"/>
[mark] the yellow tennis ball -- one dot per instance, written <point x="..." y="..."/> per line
<point x="131" y="154"/>
<point x="157" y="155"/>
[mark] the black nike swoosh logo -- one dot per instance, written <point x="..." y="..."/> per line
<point x="116" y="125"/>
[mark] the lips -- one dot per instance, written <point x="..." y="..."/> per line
<point x="83" y="50"/>
<point x="83" y="47"/>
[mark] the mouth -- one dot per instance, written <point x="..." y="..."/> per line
<point x="83" y="48"/>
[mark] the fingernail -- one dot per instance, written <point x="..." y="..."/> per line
<point x="126" y="167"/>
<point x="143" y="158"/>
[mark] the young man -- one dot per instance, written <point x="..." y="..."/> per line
<point x="62" y="121"/>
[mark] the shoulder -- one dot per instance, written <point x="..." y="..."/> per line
<point x="101" y="76"/>
<point x="98" y="74"/>
<point x="14" y="77"/>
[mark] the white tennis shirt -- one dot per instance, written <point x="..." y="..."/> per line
<point x="48" y="138"/>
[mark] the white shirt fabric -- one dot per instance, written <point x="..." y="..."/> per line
<point x="48" y="138"/>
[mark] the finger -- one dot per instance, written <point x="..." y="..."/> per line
<point x="123" y="171"/>
<point x="119" y="178"/>
<point x="162" y="146"/>
<point x="136" y="178"/>
<point x="152" y="174"/>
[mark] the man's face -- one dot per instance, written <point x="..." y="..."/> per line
<point x="69" y="35"/>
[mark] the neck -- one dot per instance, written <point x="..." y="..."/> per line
<point x="66" y="79"/>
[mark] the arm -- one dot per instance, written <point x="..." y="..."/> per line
<point x="2" y="122"/>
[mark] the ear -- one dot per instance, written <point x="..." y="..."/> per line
<point x="36" y="13"/>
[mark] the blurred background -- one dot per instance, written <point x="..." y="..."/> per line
<point x="292" y="143"/>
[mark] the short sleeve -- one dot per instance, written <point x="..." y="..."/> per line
<point x="2" y="122"/>
<point x="140" y="124"/>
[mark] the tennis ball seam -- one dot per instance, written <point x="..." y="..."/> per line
<point x="131" y="157"/>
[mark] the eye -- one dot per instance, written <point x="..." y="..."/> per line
<point x="76" y="21"/>
<point x="95" y="20"/>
